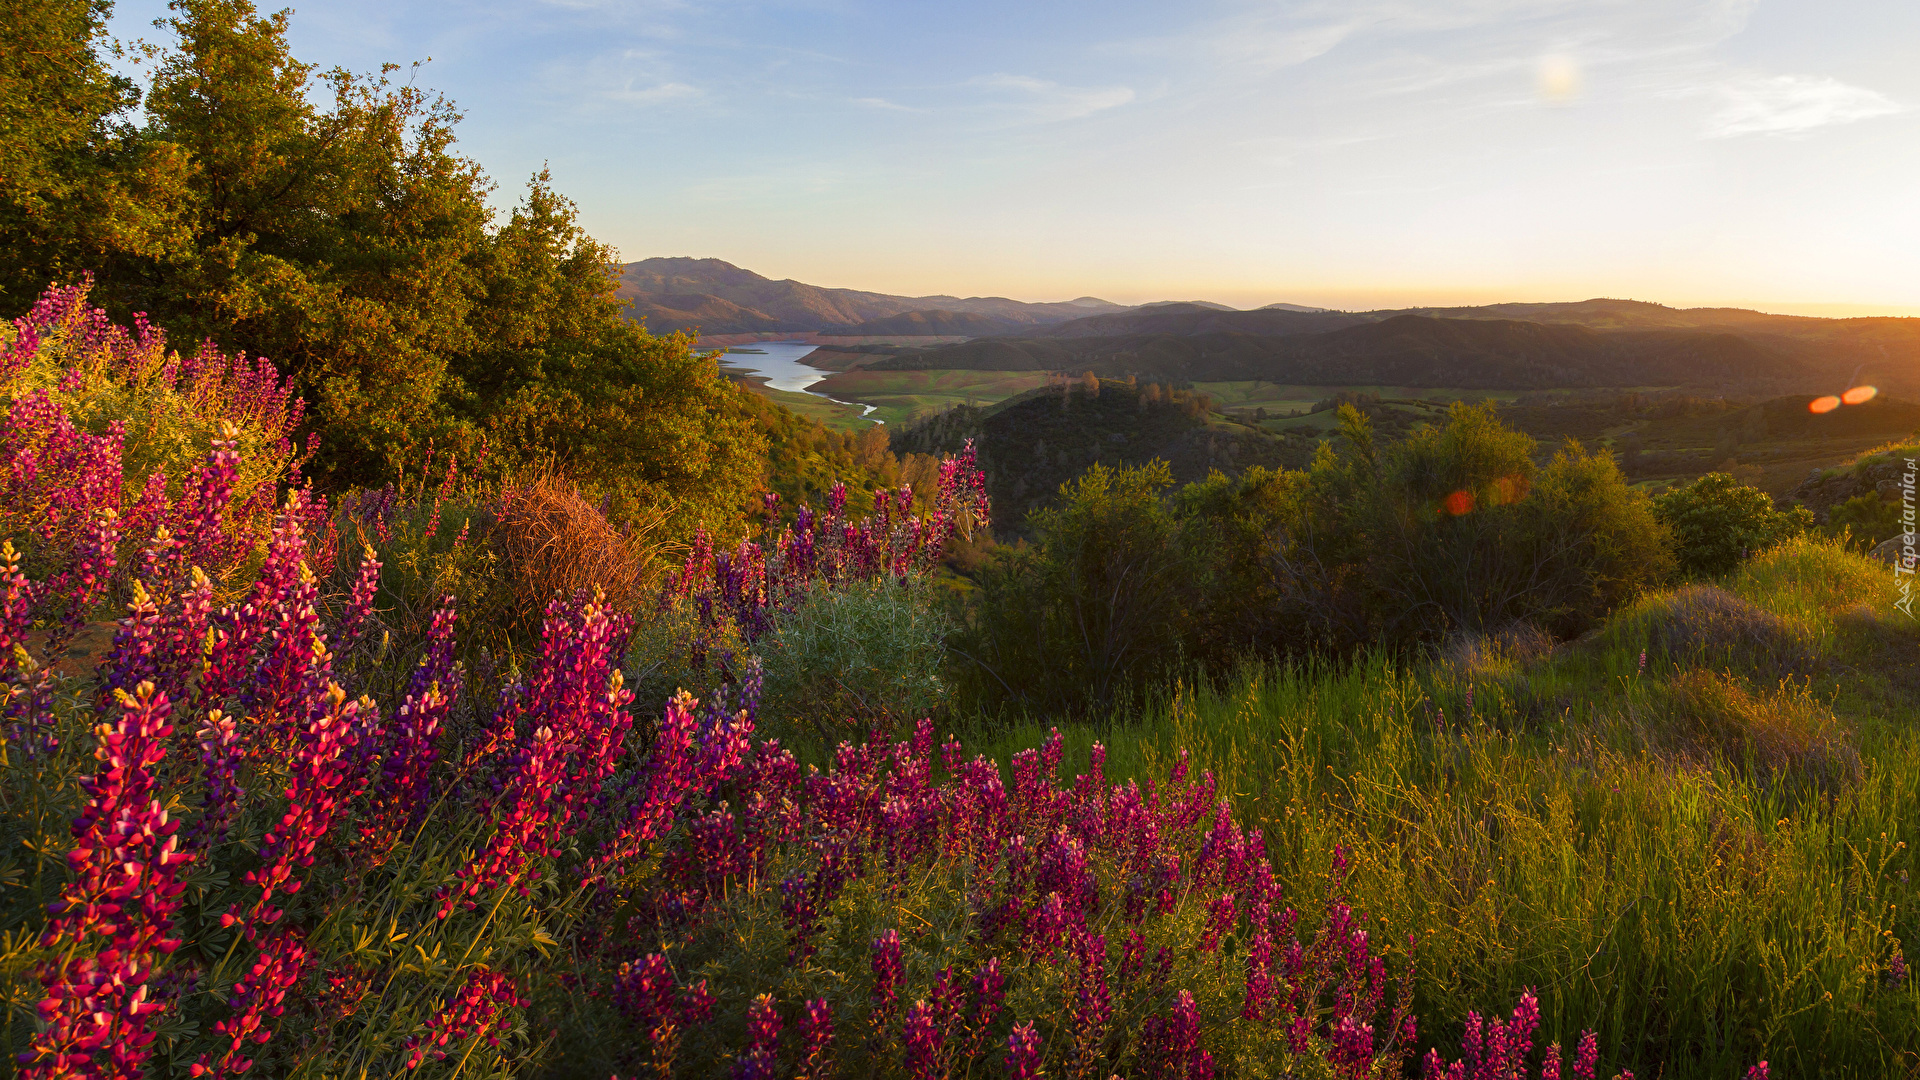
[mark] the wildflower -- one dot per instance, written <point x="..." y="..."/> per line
<point x="1023" y="1053"/>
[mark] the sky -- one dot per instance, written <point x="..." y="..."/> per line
<point x="1351" y="153"/>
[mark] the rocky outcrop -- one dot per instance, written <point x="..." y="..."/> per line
<point x="1821" y="492"/>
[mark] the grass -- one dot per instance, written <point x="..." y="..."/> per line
<point x="903" y="395"/>
<point x="1617" y="838"/>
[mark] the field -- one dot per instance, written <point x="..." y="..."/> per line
<point x="903" y="395"/>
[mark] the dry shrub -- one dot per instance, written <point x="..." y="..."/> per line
<point x="1783" y="735"/>
<point x="1705" y="624"/>
<point x="552" y="540"/>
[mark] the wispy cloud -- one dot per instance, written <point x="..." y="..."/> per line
<point x="1041" y="101"/>
<point x="883" y="103"/>
<point x="631" y="94"/>
<point x="1793" y="105"/>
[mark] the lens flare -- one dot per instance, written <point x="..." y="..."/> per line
<point x="1859" y="395"/>
<point x="1458" y="503"/>
<point x="1823" y="404"/>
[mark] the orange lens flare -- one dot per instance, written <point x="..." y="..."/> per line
<point x="1458" y="503"/>
<point x="1823" y="404"/>
<point x="1859" y="395"/>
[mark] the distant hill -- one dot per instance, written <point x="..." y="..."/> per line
<point x="1204" y="319"/>
<point x="717" y="297"/>
<point x="1405" y="350"/>
<point x="931" y="323"/>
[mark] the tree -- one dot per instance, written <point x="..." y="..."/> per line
<point x="1717" y="521"/>
<point x="80" y="185"/>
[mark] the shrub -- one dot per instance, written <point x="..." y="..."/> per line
<point x="863" y="657"/>
<point x="554" y="542"/>
<point x="1456" y="530"/>
<point x="1867" y="519"/>
<point x="1718" y="521"/>
<point x="1095" y="607"/>
<point x="1705" y="625"/>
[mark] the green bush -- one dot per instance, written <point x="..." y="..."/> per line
<point x="858" y="658"/>
<point x="1718" y="521"/>
<point x="1099" y="602"/>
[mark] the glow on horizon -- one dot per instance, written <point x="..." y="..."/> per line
<point x="1339" y="153"/>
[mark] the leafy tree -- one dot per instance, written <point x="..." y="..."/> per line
<point x="79" y="183"/>
<point x="327" y="221"/>
<point x="1717" y="521"/>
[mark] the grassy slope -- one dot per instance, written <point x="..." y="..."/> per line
<point x="1698" y="914"/>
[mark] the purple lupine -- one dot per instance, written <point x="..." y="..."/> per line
<point x="410" y="745"/>
<point x="1023" y="1053"/>
<point x="1760" y="1072"/>
<point x="887" y="975"/>
<point x="923" y="1036"/>
<point x="114" y="920"/>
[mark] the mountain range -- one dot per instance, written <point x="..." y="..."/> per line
<point x="1599" y="342"/>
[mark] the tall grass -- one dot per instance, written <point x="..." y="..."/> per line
<point x="1550" y="823"/>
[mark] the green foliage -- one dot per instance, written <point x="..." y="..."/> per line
<point x="1452" y="530"/>
<point x="859" y="658"/>
<point x="327" y="220"/>
<point x="1096" y="605"/>
<point x="1718" y="521"/>
<point x="805" y="458"/>
<point x="1867" y="519"/>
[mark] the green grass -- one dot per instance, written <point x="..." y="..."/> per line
<point x="1697" y="911"/>
<point x="900" y="396"/>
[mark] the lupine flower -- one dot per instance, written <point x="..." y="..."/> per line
<point x="1023" y="1053"/>
<point x="761" y="1060"/>
<point x="887" y="974"/>
<point x="923" y="1037"/>
<point x="816" y="1041"/>
<point x="475" y="1011"/>
<point x="114" y="921"/>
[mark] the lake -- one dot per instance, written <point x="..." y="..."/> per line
<point x="780" y="362"/>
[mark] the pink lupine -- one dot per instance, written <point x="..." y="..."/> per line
<point x="887" y="975"/>
<point x="259" y="995"/>
<point x="114" y="921"/>
<point x="353" y="618"/>
<point x="1586" y="1057"/>
<point x="475" y="1012"/>
<point x="923" y="1037"/>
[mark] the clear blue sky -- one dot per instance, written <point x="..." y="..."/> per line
<point x="1355" y="154"/>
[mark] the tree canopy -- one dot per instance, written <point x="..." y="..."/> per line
<point x="326" y="220"/>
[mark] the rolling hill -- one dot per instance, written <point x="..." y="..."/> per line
<point x="717" y="297"/>
<point x="1405" y="350"/>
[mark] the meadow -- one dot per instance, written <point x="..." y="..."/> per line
<point x="1670" y="835"/>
